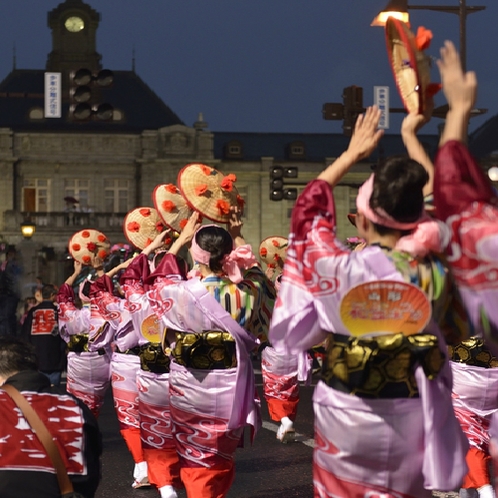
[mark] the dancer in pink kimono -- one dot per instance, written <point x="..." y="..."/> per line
<point x="153" y="377"/>
<point x="384" y="421"/>
<point x="281" y="372"/>
<point x="88" y="372"/>
<point x="213" y="323"/>
<point x="125" y="363"/>
<point x="465" y="200"/>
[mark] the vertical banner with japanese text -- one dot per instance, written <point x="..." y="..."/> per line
<point x="381" y="100"/>
<point x="53" y="95"/>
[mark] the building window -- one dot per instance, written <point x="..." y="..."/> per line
<point x="296" y="150"/>
<point x="79" y="190"/>
<point x="116" y="195"/>
<point x="233" y="150"/>
<point x="36" y="195"/>
<point x="36" y="113"/>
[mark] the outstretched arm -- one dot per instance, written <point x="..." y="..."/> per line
<point x="365" y="138"/>
<point x="409" y="128"/>
<point x="235" y="226"/>
<point x="460" y="90"/>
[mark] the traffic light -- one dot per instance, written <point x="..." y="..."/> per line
<point x="352" y="97"/>
<point x="278" y="192"/>
<point x="85" y="94"/>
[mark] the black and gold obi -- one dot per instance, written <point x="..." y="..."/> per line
<point x="78" y="343"/>
<point x="208" y="350"/>
<point x="473" y="352"/>
<point x="380" y="367"/>
<point x="153" y="358"/>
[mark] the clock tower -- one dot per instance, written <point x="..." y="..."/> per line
<point x="74" y="25"/>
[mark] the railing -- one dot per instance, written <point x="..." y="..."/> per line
<point x="47" y="222"/>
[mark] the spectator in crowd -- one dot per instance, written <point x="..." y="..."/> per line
<point x="25" y="468"/>
<point x="41" y="329"/>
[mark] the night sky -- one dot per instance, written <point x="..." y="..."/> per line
<point x="259" y="65"/>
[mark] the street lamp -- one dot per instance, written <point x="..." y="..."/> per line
<point x="399" y="9"/>
<point x="28" y="228"/>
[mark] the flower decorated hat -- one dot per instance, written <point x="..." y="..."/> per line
<point x="208" y="191"/>
<point x="273" y="251"/>
<point x="171" y="206"/>
<point x="142" y="225"/>
<point x="86" y="245"/>
<point x="410" y="65"/>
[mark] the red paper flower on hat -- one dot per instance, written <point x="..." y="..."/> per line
<point x="159" y="226"/>
<point x="86" y="259"/>
<point x="272" y="265"/>
<point x="423" y="38"/>
<point x="227" y="182"/>
<point x="223" y="206"/>
<point x="432" y="89"/>
<point x="171" y="188"/>
<point x="133" y="226"/>
<point x="144" y="212"/>
<point x="201" y="189"/>
<point x="240" y="201"/>
<point x="76" y="247"/>
<point x="275" y="242"/>
<point x="85" y="234"/>
<point x="168" y="206"/>
<point x="183" y="223"/>
<point x="91" y="246"/>
<point x="206" y="169"/>
<point x="101" y="238"/>
<point x="148" y="242"/>
<point x="167" y="241"/>
<point x="277" y="258"/>
<point x="102" y="254"/>
<point x="263" y="252"/>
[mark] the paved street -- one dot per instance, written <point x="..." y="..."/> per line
<point x="268" y="469"/>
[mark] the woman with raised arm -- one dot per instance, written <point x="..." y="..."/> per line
<point x="384" y="422"/>
<point x="213" y="323"/>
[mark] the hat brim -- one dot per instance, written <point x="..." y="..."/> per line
<point x="352" y="218"/>
<point x="88" y="244"/>
<point x="171" y="206"/>
<point x="201" y="187"/>
<point x="410" y="65"/>
<point x="141" y="226"/>
<point x="273" y="250"/>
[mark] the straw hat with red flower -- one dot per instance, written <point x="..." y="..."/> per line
<point x="209" y="192"/>
<point x="273" y="251"/>
<point x="410" y="65"/>
<point x="141" y="226"/>
<point x="86" y="245"/>
<point x="171" y="206"/>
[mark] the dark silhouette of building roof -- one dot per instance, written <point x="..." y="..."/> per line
<point x="484" y="140"/>
<point x="141" y="109"/>
<point x="317" y="146"/>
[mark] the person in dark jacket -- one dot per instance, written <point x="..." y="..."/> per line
<point x="41" y="329"/>
<point x="25" y="468"/>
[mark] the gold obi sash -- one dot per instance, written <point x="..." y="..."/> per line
<point x="208" y="350"/>
<point x="153" y="358"/>
<point x="473" y="352"/>
<point x="78" y="343"/>
<point x="380" y="367"/>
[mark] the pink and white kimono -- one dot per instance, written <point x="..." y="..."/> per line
<point x="466" y="201"/>
<point x="153" y="387"/>
<point x="88" y="372"/>
<point x="209" y="408"/>
<point x="379" y="446"/>
<point x="125" y="362"/>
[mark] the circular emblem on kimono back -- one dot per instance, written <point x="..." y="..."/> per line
<point x="385" y="307"/>
<point x="151" y="329"/>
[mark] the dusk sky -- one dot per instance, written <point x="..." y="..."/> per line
<point x="258" y="65"/>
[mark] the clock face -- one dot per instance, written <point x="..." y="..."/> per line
<point x="74" y="24"/>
